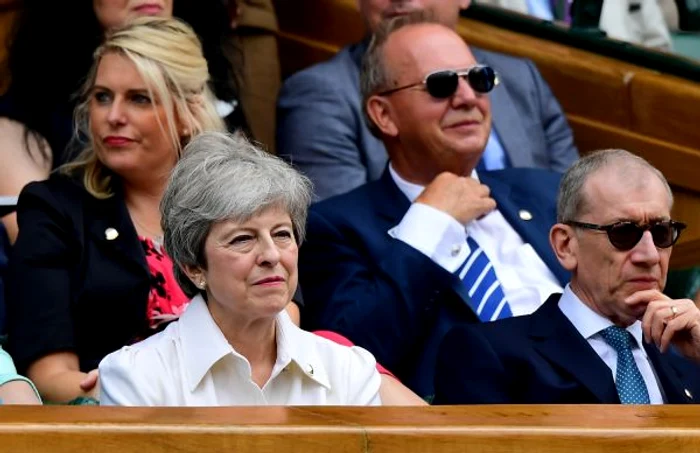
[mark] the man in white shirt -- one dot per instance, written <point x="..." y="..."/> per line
<point x="395" y="263"/>
<point x="606" y="338"/>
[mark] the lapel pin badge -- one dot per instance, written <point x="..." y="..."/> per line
<point x="525" y="215"/>
<point x="688" y="394"/>
<point x="111" y="234"/>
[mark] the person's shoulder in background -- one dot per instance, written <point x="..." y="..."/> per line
<point x="321" y="128"/>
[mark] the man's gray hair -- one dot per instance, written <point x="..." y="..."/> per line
<point x="572" y="203"/>
<point x="375" y="76"/>
<point x="225" y="177"/>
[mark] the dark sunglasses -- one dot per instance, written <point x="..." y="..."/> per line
<point x="443" y="84"/>
<point x="625" y="235"/>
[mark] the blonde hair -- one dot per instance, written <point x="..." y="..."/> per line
<point x="168" y="56"/>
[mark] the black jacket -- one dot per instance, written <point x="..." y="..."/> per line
<point x="70" y="287"/>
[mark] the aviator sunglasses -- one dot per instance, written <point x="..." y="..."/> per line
<point x="625" y="235"/>
<point x="443" y="84"/>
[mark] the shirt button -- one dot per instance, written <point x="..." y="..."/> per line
<point x="456" y="249"/>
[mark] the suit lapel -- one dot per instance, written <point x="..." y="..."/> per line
<point x="671" y="384"/>
<point x="112" y="229"/>
<point x="390" y="203"/>
<point x="556" y="339"/>
<point x="533" y="231"/>
<point x="507" y="123"/>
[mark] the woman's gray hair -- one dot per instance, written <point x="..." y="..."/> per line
<point x="225" y="177"/>
<point x="572" y="203"/>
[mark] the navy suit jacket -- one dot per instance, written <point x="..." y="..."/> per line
<point x="387" y="296"/>
<point x="321" y="127"/>
<point x="541" y="359"/>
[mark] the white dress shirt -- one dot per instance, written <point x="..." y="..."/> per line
<point x="191" y="363"/>
<point x="590" y="325"/>
<point x="525" y="278"/>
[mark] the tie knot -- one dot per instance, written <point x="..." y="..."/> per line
<point x="617" y="337"/>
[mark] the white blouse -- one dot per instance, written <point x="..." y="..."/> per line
<point x="190" y="363"/>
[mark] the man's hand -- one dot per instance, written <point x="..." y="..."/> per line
<point x="667" y="321"/>
<point x="463" y="198"/>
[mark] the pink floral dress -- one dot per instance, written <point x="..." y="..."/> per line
<point x="166" y="301"/>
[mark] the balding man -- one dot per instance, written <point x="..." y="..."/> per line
<point x="604" y="339"/>
<point x="395" y="263"/>
<point x="321" y="128"/>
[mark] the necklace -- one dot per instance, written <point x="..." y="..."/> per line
<point x="155" y="235"/>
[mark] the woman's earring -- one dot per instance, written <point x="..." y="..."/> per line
<point x="202" y="284"/>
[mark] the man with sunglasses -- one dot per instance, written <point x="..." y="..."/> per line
<point x="395" y="263"/>
<point x="320" y="126"/>
<point x="606" y="339"/>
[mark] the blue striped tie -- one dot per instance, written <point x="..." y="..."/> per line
<point x="629" y="381"/>
<point x="485" y="292"/>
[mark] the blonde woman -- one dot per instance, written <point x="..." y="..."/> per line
<point x="35" y="116"/>
<point x="89" y="274"/>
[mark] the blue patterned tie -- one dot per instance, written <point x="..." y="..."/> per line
<point x="628" y="380"/>
<point x="485" y="292"/>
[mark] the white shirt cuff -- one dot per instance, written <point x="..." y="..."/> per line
<point x="434" y="233"/>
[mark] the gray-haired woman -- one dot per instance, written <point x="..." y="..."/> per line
<point x="232" y="217"/>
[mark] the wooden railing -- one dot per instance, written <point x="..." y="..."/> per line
<point x="493" y="429"/>
<point x="609" y="104"/>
